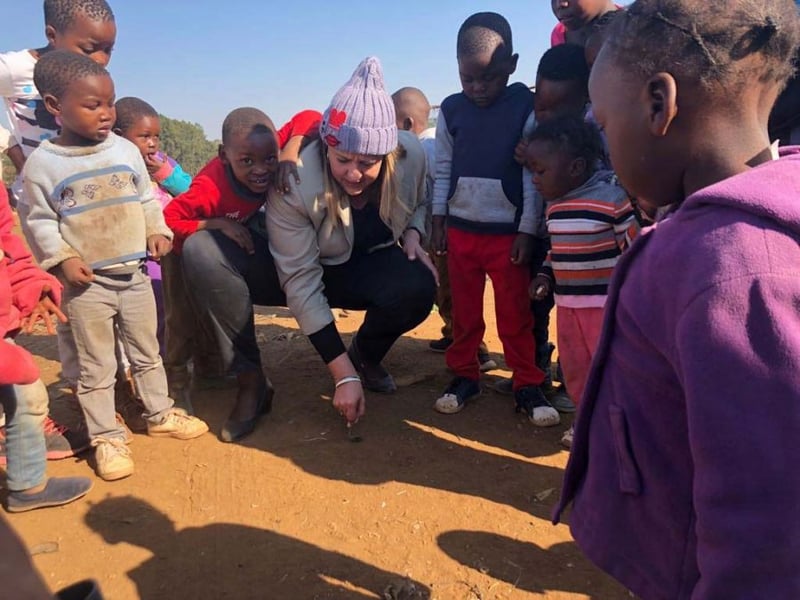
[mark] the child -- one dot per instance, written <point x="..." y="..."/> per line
<point x="93" y="218"/>
<point x="589" y="218"/>
<point x="575" y="19"/>
<point x="226" y="193"/>
<point x="562" y="79"/>
<point x="139" y="123"/>
<point x="479" y="187"/>
<point x="86" y="27"/>
<point x="27" y="294"/>
<point x="686" y="440"/>
<point x="412" y="110"/>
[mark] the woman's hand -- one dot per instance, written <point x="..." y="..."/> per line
<point x="348" y="399"/>
<point x="45" y="310"/>
<point x="412" y="246"/>
<point x="77" y="272"/>
<point x="519" y="151"/>
<point x="540" y="287"/>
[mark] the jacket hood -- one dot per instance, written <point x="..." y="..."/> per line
<point x="770" y="190"/>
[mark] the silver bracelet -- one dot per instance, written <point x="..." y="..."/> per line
<point x="348" y="379"/>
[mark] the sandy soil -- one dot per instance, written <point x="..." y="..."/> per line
<point x="454" y="507"/>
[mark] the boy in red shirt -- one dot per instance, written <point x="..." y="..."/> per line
<point x="227" y="193"/>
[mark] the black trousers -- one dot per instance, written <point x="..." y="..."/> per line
<point x="225" y="282"/>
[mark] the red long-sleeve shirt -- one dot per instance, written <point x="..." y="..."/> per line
<point x="213" y="193"/>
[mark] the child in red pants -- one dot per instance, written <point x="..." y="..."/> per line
<point x="482" y="193"/>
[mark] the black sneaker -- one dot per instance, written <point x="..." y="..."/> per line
<point x="456" y="395"/>
<point x="441" y="345"/>
<point x="486" y="362"/>
<point x="533" y="403"/>
<point x="373" y="376"/>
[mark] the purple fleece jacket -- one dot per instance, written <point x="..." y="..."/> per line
<point x="683" y="474"/>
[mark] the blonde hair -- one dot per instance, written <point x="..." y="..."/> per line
<point x="387" y="179"/>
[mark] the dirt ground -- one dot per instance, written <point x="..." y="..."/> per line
<point x="455" y="507"/>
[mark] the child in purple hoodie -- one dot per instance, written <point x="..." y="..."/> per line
<point x="683" y="472"/>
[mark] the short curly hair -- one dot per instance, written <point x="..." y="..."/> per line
<point x="484" y="32"/>
<point x="572" y="135"/>
<point x="56" y="69"/>
<point x="60" y="14"/>
<point x="699" y="41"/>
<point x="130" y="110"/>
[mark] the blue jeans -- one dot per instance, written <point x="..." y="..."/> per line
<point x="125" y="303"/>
<point x="26" y="408"/>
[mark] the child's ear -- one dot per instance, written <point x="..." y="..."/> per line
<point x="661" y="100"/>
<point x="50" y="34"/>
<point x="118" y="131"/>
<point x="577" y="167"/>
<point x="52" y="104"/>
<point x="512" y="63"/>
<point x="408" y="124"/>
<point x="221" y="153"/>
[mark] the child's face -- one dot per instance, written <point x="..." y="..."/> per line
<point x="484" y="77"/>
<point x="146" y="134"/>
<point x="253" y="158"/>
<point x="87" y="36"/>
<point x="354" y="172"/>
<point x="86" y="110"/>
<point x="626" y="108"/>
<point x="554" y="173"/>
<point x="557" y="99"/>
<point x="574" y="14"/>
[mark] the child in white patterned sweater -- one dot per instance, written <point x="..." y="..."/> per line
<point x="93" y="219"/>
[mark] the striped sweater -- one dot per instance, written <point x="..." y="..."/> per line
<point x="90" y="202"/>
<point x="589" y="228"/>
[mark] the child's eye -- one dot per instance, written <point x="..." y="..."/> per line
<point x="247" y="161"/>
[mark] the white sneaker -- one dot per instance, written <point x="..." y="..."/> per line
<point x="177" y="424"/>
<point x="112" y="459"/>
<point x="566" y="439"/>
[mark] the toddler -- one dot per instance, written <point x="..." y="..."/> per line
<point x="590" y="221"/>
<point x="686" y="439"/>
<point x="93" y="218"/>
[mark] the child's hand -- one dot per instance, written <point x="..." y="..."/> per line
<point x="154" y="162"/>
<point x="287" y="170"/>
<point x="158" y="245"/>
<point x="45" y="310"/>
<point x="519" y="151"/>
<point x="77" y="272"/>
<point x="540" y="287"/>
<point x="414" y="251"/>
<point x="234" y="230"/>
<point x="522" y="249"/>
<point x="439" y="236"/>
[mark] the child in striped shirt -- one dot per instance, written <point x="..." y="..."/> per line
<point x="590" y="220"/>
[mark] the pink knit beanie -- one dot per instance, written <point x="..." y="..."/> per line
<point x="361" y="117"/>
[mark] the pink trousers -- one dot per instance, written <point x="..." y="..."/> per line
<point x="578" y="335"/>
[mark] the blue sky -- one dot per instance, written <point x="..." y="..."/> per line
<point x="196" y="61"/>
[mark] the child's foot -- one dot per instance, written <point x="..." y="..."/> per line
<point x="112" y="459"/>
<point x="532" y="402"/>
<point x="62" y="442"/>
<point x="486" y="362"/>
<point x="456" y="395"/>
<point x="566" y="439"/>
<point x="559" y="399"/>
<point x="182" y="398"/>
<point x="57" y="491"/>
<point x="177" y="424"/>
<point x="441" y="345"/>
